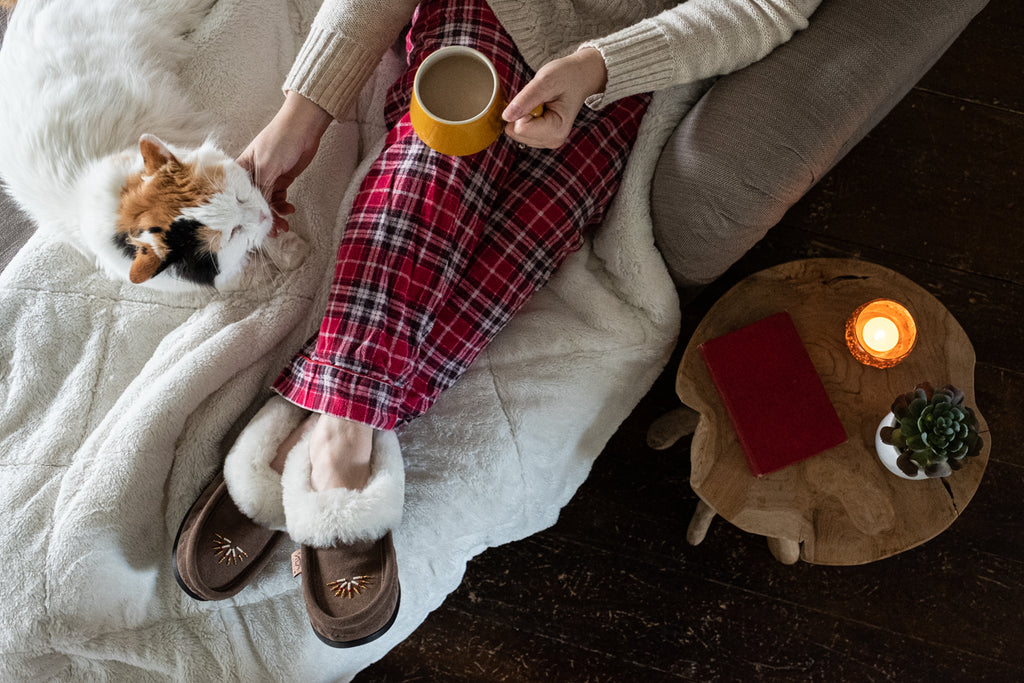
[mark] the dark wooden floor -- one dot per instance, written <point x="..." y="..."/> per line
<point x="614" y="593"/>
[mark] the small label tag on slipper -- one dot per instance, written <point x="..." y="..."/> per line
<point x="297" y="562"/>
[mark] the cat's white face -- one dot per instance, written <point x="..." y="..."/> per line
<point x="193" y="215"/>
<point x="238" y="212"/>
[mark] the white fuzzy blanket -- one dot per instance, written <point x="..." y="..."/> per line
<point x="116" y="403"/>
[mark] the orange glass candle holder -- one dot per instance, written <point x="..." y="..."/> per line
<point x="881" y="333"/>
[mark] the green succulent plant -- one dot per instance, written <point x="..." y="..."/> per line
<point x="934" y="431"/>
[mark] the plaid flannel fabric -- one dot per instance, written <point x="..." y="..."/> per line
<point x="439" y="252"/>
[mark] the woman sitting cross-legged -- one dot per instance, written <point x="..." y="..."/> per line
<point x="437" y="255"/>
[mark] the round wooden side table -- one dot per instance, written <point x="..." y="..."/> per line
<point x="840" y="507"/>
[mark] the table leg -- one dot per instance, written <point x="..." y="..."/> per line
<point x="671" y="427"/>
<point x="699" y="523"/>
<point x="784" y="550"/>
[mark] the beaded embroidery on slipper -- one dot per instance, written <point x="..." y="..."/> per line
<point x="349" y="588"/>
<point x="227" y="551"/>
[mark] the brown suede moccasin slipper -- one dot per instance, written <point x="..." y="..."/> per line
<point x="347" y="559"/>
<point x="218" y="549"/>
<point x="351" y="591"/>
<point x="233" y="527"/>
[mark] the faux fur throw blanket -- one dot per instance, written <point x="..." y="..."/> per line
<point x="116" y="404"/>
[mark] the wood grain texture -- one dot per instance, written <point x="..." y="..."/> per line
<point x="841" y="505"/>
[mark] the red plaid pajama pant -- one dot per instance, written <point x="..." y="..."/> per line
<point x="439" y="252"/>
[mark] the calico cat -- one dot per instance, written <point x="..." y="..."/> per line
<point x="88" y="96"/>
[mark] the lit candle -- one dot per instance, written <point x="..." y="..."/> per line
<point x="881" y="333"/>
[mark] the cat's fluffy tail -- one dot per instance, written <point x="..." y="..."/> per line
<point x="83" y="80"/>
<point x="184" y="13"/>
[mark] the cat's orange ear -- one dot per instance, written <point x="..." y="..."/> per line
<point x="154" y="153"/>
<point x="145" y="265"/>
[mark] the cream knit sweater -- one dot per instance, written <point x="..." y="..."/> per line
<point x="647" y="44"/>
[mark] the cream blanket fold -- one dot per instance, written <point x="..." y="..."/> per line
<point x="117" y="404"/>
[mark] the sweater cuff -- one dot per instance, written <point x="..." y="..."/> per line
<point x="638" y="60"/>
<point x="331" y="70"/>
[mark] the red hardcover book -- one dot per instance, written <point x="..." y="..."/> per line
<point x="774" y="396"/>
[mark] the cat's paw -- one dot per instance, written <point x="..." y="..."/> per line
<point x="277" y="255"/>
<point x="286" y="252"/>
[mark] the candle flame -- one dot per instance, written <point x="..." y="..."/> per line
<point x="881" y="334"/>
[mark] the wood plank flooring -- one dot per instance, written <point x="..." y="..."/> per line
<point x="613" y="592"/>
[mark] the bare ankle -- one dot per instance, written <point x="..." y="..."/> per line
<point x="339" y="453"/>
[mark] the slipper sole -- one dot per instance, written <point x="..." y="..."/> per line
<point x="365" y="639"/>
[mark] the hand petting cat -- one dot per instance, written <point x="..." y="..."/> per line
<point x="282" y="151"/>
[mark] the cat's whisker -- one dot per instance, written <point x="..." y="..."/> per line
<point x="269" y="265"/>
<point x="262" y="257"/>
<point x="262" y="263"/>
<point x="269" y="259"/>
<point x="264" y="187"/>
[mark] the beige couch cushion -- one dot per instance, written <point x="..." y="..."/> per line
<point x="763" y="136"/>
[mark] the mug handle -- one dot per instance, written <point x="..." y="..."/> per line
<point x="536" y="112"/>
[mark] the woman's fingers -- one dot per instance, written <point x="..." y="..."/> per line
<point x="547" y="132"/>
<point x="561" y="86"/>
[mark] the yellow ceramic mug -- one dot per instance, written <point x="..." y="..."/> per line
<point x="457" y="101"/>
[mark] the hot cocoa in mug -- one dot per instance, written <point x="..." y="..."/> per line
<point x="457" y="88"/>
<point x="457" y="101"/>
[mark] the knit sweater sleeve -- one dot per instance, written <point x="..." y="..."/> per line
<point x="695" y="40"/>
<point x="347" y="40"/>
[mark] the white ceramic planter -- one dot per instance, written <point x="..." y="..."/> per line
<point x="888" y="454"/>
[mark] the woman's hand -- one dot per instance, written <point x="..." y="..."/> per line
<point x="562" y="86"/>
<point x="282" y="151"/>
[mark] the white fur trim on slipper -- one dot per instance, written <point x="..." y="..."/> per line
<point x="322" y="519"/>
<point x="254" y="486"/>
